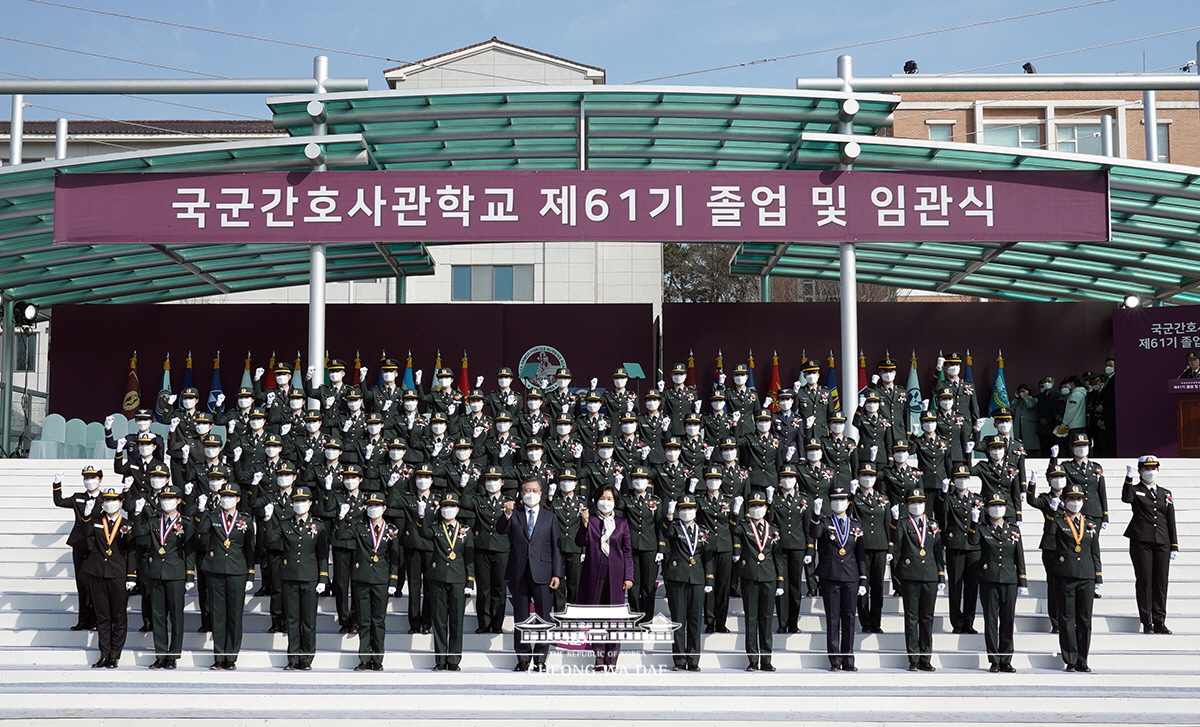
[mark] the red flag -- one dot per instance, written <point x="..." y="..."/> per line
<point x="774" y="385"/>
<point x="862" y="374"/>
<point x="720" y="370"/>
<point x="464" y="378"/>
<point x="691" y="371"/>
<point x="133" y="388"/>
<point x="270" y="377"/>
<point x="357" y="365"/>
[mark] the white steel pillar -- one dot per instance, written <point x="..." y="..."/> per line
<point x="316" y="269"/>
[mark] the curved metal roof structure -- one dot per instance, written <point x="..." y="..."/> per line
<point x="1155" y="209"/>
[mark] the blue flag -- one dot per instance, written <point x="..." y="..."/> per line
<point x="162" y="406"/>
<point x="999" y="389"/>
<point x="831" y="384"/>
<point x="915" y="400"/>
<point x="750" y="367"/>
<point x="967" y="373"/>
<point x="214" y="389"/>
<point x="409" y="381"/>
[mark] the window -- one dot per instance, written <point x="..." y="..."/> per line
<point x="26" y="352"/>
<point x="491" y="282"/>
<point x="1025" y="136"/>
<point x="940" y="131"/>
<point x="1079" y="139"/>
<point x="1164" y="143"/>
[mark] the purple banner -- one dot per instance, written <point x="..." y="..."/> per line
<point x="568" y="206"/>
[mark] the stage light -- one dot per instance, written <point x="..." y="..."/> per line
<point x="1132" y="301"/>
<point x="25" y="314"/>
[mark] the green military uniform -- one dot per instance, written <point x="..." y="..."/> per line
<point x="688" y="574"/>
<point x="1077" y="575"/>
<point x="673" y="478"/>
<point x="304" y="574"/>
<point x="1000" y="477"/>
<point x="872" y="510"/>
<point x="678" y="400"/>
<point x="226" y="545"/>
<point x="644" y="512"/>
<point x="375" y="576"/>
<point x="491" y="551"/>
<point x="655" y="426"/>
<point x="504" y="399"/>
<point x="451" y="578"/>
<point x="954" y="508"/>
<point x="875" y="431"/>
<point x="1001" y="574"/>
<point x="716" y="515"/>
<point x="814" y="402"/>
<point x="760" y="453"/>
<point x="343" y="507"/>
<point x="167" y="564"/>
<point x="918" y="560"/>
<point x="839" y="452"/>
<point x="405" y="510"/>
<point x="567" y="506"/>
<point x="1050" y="505"/>
<point x="965" y="402"/>
<point x="618" y="399"/>
<point x="933" y="455"/>
<point x="789" y="515"/>
<point x="761" y="570"/>
<point x="279" y="496"/>
<point x="893" y="399"/>
<point x="953" y="426"/>
<point x="735" y="482"/>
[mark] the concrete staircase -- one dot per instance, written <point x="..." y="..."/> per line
<point x="1137" y="679"/>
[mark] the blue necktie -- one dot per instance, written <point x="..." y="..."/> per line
<point x="530" y="523"/>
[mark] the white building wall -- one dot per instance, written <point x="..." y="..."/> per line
<point x="491" y="67"/>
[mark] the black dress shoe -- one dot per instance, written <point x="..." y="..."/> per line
<point x="849" y="667"/>
<point x="541" y="667"/>
<point x="158" y="664"/>
<point x="723" y="630"/>
<point x="1097" y="595"/>
<point x="414" y="630"/>
<point x="752" y="667"/>
<point x="1147" y="629"/>
<point x="1008" y="668"/>
<point x="994" y="668"/>
<point x="969" y="630"/>
<point x="425" y="629"/>
<point x="79" y="627"/>
<point x="766" y="666"/>
<point x="146" y="628"/>
<point x="1083" y="668"/>
<point x="1070" y="667"/>
<point x="354" y="629"/>
<point x="1054" y="629"/>
<point x="110" y="664"/>
<point x="304" y="667"/>
<point x="377" y="666"/>
<point x="366" y="665"/>
<point x="291" y="666"/>
<point x="204" y="629"/>
<point x="956" y="630"/>
<point x="99" y="663"/>
<point x="521" y="666"/>
<point x="780" y="630"/>
<point x="217" y="666"/>
<point x="453" y="667"/>
<point x="926" y="667"/>
<point x="693" y="667"/>
<point x="912" y="667"/>
<point x="835" y="667"/>
<point x="483" y="631"/>
<point x="1162" y="629"/>
<point x="677" y="667"/>
<point x="170" y="663"/>
<point x="230" y="666"/>
<point x="261" y="592"/>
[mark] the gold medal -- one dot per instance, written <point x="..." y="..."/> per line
<point x="691" y="561"/>
<point x="1078" y="548"/>
<point x="841" y="551"/>
<point x="762" y="556"/>
<point x="108" y="552"/>
<point x="453" y="555"/>
<point x="921" y="551"/>
<point x="374" y="558"/>
<point x="227" y="543"/>
<point x="162" y="551"/>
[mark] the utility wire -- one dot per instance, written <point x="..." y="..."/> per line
<point x="111" y="58"/>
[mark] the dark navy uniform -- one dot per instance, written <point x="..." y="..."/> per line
<point x="842" y="568"/>
<point x="111" y="567"/>
<point x="1153" y="542"/>
<point x="82" y="505"/>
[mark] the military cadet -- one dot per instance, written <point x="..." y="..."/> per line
<point x="604" y="470"/>
<point x="290" y="419"/>
<point x="873" y="512"/>
<point x="953" y="427"/>
<point x="1000" y="476"/>
<point x="672" y="478"/>
<point x="761" y="452"/>
<point x="326" y="474"/>
<point x="643" y="511"/>
<point x="182" y="419"/>
<point x="396" y="471"/>
<point x="405" y="510"/>
<point x="592" y="425"/>
<point x="933" y="455"/>
<point x="269" y="554"/>
<point x="351" y="425"/>
<point x="741" y="401"/>
<point x="462" y="473"/>
<point x="842" y="568"/>
<point x="1001" y="577"/>
<point x="436" y="449"/>
<point x="305" y="573"/>
<point x="1015" y="453"/>
<point x="1089" y="476"/>
<point x="631" y="450"/>
<point x="384" y="399"/>
<point x="565" y="448"/>
<point x="1077" y="577"/>
<point x="145" y="498"/>
<point x="491" y="549"/>
<point x="839" y="452"/>
<point x="718" y="516"/>
<point x="225" y="542"/>
<point x="815" y="477"/>
<point x="679" y="398"/>
<point x="1153" y="542"/>
<point x="532" y="422"/>
<point x="371" y="453"/>
<point x="343" y="507"/>
<point x="300" y="447"/>
<point x="735" y="479"/>
<point x="501" y="449"/>
<point x="445" y="400"/>
<point x="717" y="425"/>
<point x="761" y="571"/>
<point x="536" y="466"/>
<point x="788" y="427"/>
<point x="185" y="446"/>
<point x="237" y="420"/>
<point x="568" y="503"/>
<point x="111" y="567"/>
<point x="138" y="466"/>
<point x="654" y="426"/>
<point x="207" y="503"/>
<point x="408" y="424"/>
<point x="893" y="399"/>
<point x="504" y="399"/>
<point x="695" y="449"/>
<point x="899" y="476"/>
<point x="143" y="418"/>
<point x="376" y="575"/>
<point x="688" y="577"/>
<point x="619" y="399"/>
<point x="276" y="398"/>
<point x="250" y="471"/>
<point x="451" y="578"/>
<point x="474" y="425"/>
<point x="82" y="505"/>
<point x="169" y="568"/>
<point x="333" y="394"/>
<point x="789" y="514"/>
<point x="1050" y="505"/>
<point x="955" y="504"/>
<point x="251" y="444"/>
<point x="560" y="399"/>
<point x="874" y="431"/>
<point x="919" y="561"/>
<point x="815" y="402"/>
<point x="965" y="402"/>
<point x="197" y="473"/>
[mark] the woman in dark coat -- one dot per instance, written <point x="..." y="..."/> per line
<point x="607" y="564"/>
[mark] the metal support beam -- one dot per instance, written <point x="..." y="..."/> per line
<point x="9" y="353"/>
<point x="316" y="273"/>
<point x="192" y="269"/>
<point x="261" y="86"/>
<point x="16" y="134"/>
<point x="1150" y="117"/>
<point x="60" y="138"/>
<point x="1021" y="82"/>
<point x="764" y="289"/>
<point x="1106" y="135"/>
<point x="848" y="360"/>
<point x="402" y="289"/>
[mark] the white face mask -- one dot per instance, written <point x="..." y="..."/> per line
<point x="1109" y="370"/>
<point x="837" y="428"/>
<point x="301" y="508"/>
<point x="145" y="449"/>
<point x="692" y="430"/>
<point x="531" y="498"/>
<point x="813" y="455"/>
<point x="605" y="452"/>
<point x="871" y="407"/>
<point x="592" y="407"/>
<point x="445" y="383"/>
<point x="284" y="482"/>
<point x="312" y="427"/>
<point x="389" y="377"/>
<point x="228" y="503"/>
<point x="961" y="483"/>
<point x="296" y="404"/>
<point x="787" y="483"/>
<point x="493" y="486"/>
<point x="1080" y="451"/>
<point x="449" y="512"/>
<point x="563" y="429"/>
<point x="900" y="457"/>
<point x="729" y="455"/>
<point x="462" y="455"/>
<point x="640" y="484"/>
<point x="503" y="427"/>
<point x="678" y="378"/>
<point x="687" y="514"/>
<point x="375" y="512"/>
<point x="811" y="378"/>
<point x="1065" y="391"/>
<point x="567" y="486"/>
<point x="888" y="376"/>
<point x="758" y="512"/>
<point x="534" y="455"/>
<point x="866" y="481"/>
<point x="1058" y="483"/>
<point x="712" y="485"/>
<point x="997" y="511"/>
<point x="215" y="485"/>
<point x="718" y="405"/>
<point x="111" y="506"/>
<point x="619" y="382"/>
<point x="212" y="452"/>
<point x="952" y="370"/>
<point x="91" y="483"/>
<point x="946" y="404"/>
<point x="282" y="380"/>
<point x="158" y="483"/>
<point x="916" y="509"/>
<point x="189" y="404"/>
<point x="351" y="483"/>
<point x="475" y="406"/>
<point x="396" y="455"/>
<point x="424" y="483"/>
<point x="273" y="452"/>
<point x="203" y="429"/>
<point x="374" y="429"/>
<point x="628" y="428"/>
<point x="564" y="384"/>
<point x="1004" y="427"/>
<point x="996" y="454"/>
<point x="652" y="404"/>
<point x="605" y="506"/>
<point x="504" y="382"/>
<point x="354" y="404"/>
<point x="257" y="424"/>
<point x="534" y="404"/>
<point x="168" y="504"/>
<point x="672" y="455"/>
<point x="785" y="404"/>
<point x="763" y="427"/>
<point x="929" y="426"/>
<point x="839" y="506"/>
<point x="336" y="377"/>
<point x="438" y="429"/>
<point x="410" y="405"/>
<point x="1149" y="476"/>
<point x="332" y="453"/>
<point x="740" y="379"/>
<point x="1074" y="505"/>
<point x="244" y="402"/>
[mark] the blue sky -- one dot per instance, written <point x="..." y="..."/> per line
<point x="633" y="40"/>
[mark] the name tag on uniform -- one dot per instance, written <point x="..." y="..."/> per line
<point x="1141" y="494"/>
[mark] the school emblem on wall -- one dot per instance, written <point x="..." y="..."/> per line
<point x="537" y="366"/>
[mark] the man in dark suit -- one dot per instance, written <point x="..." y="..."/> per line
<point x="535" y="564"/>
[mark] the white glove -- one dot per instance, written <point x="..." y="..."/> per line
<point x="237" y="453"/>
<point x="736" y="558"/>
<point x="1054" y="503"/>
<point x="421" y="504"/>
<point x="790" y="452"/>
<point x="778" y="592"/>
<point x="108" y="422"/>
<point x="662" y="385"/>
<point x="232" y="425"/>
<point x="817" y="503"/>
<point x="537" y="426"/>
<point x="770" y="493"/>
<point x="329" y="401"/>
<point x="862" y="590"/>
<point x="974" y="514"/>
<point x="468" y="591"/>
<point x="451" y="409"/>
<point x="126" y="483"/>
<point x="329" y="481"/>
<point x="187" y="488"/>
<point x="391" y="590"/>
<point x="564" y="408"/>
<point x="970" y="447"/>
<point x="737" y="504"/>
<point x="174" y="424"/>
<point x="1174" y="554"/>
<point x="1104" y="525"/>
<point x="189" y="585"/>
<point x="58" y="478"/>
<point x="808" y="560"/>
<point x="671" y="508"/>
<point x="809" y="422"/>
<point x="644" y="452"/>
<point x="284" y="429"/>
<point x="737" y="415"/>
<point x="256" y="478"/>
<point x="766" y="402"/>
<point x="941" y="361"/>
<point x="862" y="400"/>
<point x="941" y="588"/>
<point x="658" y="557"/>
<point x="220" y="399"/>
<point x="1097" y="588"/>
<point x="1023" y="591"/>
<point x="258" y="373"/>
<point x="476" y="432"/>
<point x="1054" y="450"/>
<point x="875" y="379"/>
<point x="979" y="424"/>
<point x="138" y="505"/>
<point x="130" y="585"/>
<point x="696" y="407"/>
<point x="320" y="588"/>
<point x="249" y="585"/>
<point x="343" y="509"/>
<point x="577" y="450"/>
<point x="308" y="453"/>
<point x="362" y="376"/>
<point x="708" y="450"/>
<point x="202" y="501"/>
<point x="945" y="485"/>
<point x="185" y="450"/>
<point x="87" y="509"/>
<point x="270" y="398"/>
<point x="853" y="486"/>
<point x="121" y="444"/>
<point x="1033" y="475"/>
<point x="172" y="398"/>
<point x="387" y="405"/>
<point x="708" y="589"/>
<point x="504" y="450"/>
<point x="393" y="478"/>
<point x="1130" y="471"/>
<point x="268" y="510"/>
<point x="594" y="382"/>
<point x="691" y="486"/>
<point x="895" y="512"/>
<point x="420" y="375"/>
<point x="511" y="400"/>
<point x="479" y="382"/>
<point x="666" y="423"/>
<point x="617" y="480"/>
<point x="310" y="372"/>
<point x="370" y="449"/>
<point x="874" y="452"/>
<point x="346" y="426"/>
<point x="889" y="558"/>
<point x="437" y="449"/>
